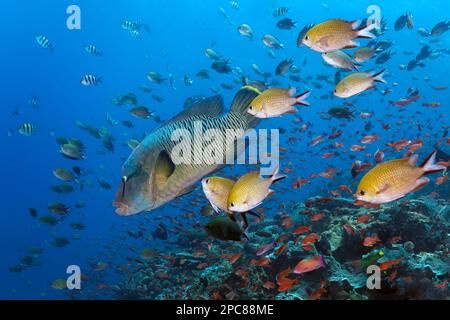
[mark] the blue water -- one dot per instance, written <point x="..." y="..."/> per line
<point x="181" y="31"/>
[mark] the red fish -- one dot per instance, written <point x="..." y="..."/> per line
<point x="399" y="145"/>
<point x="269" y="285"/>
<point x="285" y="283"/>
<point x="388" y="264"/>
<point x="349" y="229"/>
<point x="431" y="104"/>
<point x="440" y="180"/>
<point x="287" y="222"/>
<point x="260" y="262"/>
<point x="299" y="182"/>
<point x="356" y="148"/>
<point x="265" y="248"/>
<point x="317" y="140"/>
<point x="234" y="257"/>
<point x="317" y="294"/>
<point x="317" y="217"/>
<point x="311" y="264"/>
<point x="302" y="229"/>
<point x="281" y="249"/>
<point x="327" y="155"/>
<point x="379" y="156"/>
<point x="370" y="138"/>
<point x="371" y="241"/>
<point x="363" y="218"/>
<point x="309" y="240"/>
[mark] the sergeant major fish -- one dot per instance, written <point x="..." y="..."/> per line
<point x="44" y="42"/>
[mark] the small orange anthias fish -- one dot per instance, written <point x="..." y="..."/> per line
<point x="388" y="264"/>
<point x="302" y="229"/>
<point x="260" y="262"/>
<point x="363" y="218"/>
<point x="308" y="265"/>
<point x="371" y="241"/>
<point x="284" y="282"/>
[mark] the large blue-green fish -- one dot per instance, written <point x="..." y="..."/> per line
<point x="150" y="177"/>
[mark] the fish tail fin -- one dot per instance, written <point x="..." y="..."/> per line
<point x="429" y="165"/>
<point x="242" y="100"/>
<point x="378" y="77"/>
<point x="276" y="176"/>
<point x="365" y="31"/>
<point x="300" y="99"/>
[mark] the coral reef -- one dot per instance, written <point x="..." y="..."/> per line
<point x="410" y="246"/>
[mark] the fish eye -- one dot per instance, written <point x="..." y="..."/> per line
<point x="232" y="204"/>
<point x="207" y="180"/>
<point x="306" y="37"/>
<point x="362" y="192"/>
<point x="251" y="108"/>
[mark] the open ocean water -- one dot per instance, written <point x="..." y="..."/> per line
<point x="78" y="102"/>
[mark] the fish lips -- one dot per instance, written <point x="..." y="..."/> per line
<point x="133" y="196"/>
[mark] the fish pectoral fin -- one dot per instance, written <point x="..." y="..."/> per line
<point x="383" y="188"/>
<point x="216" y="208"/>
<point x="164" y="168"/>
<point x="324" y="41"/>
<point x="292" y="110"/>
<point x="186" y="191"/>
<point x="420" y="183"/>
<point x="351" y="45"/>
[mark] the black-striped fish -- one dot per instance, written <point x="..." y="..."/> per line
<point x="135" y="26"/>
<point x="90" y="80"/>
<point x="90" y="48"/>
<point x="280" y="11"/>
<point x="27" y="129"/>
<point x="130" y="25"/>
<point x="150" y="176"/>
<point x="135" y="34"/>
<point x="44" y="42"/>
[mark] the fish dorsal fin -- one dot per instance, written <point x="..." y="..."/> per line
<point x="211" y="107"/>
<point x="241" y="102"/>
<point x="164" y="168"/>
<point x="243" y="98"/>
